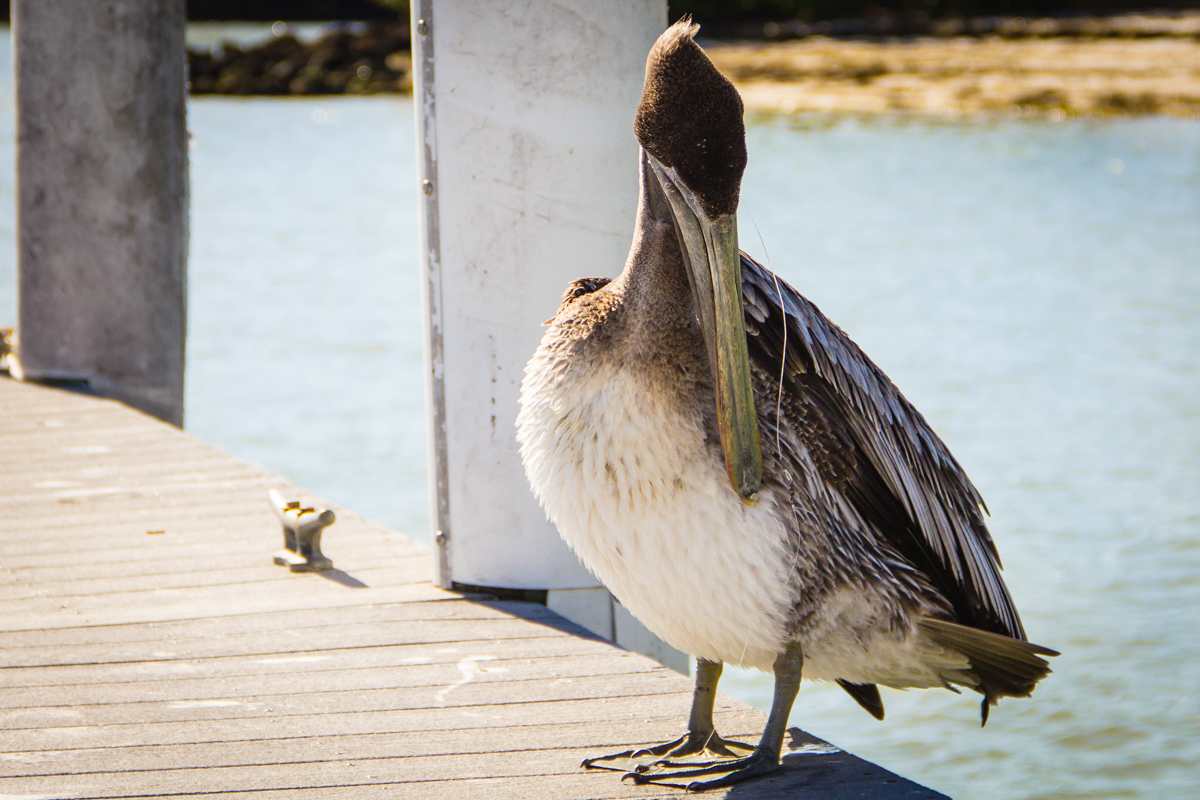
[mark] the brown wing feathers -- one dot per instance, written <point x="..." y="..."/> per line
<point x="879" y="452"/>
<point x="878" y="434"/>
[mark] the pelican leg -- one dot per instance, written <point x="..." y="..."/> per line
<point x="701" y="734"/>
<point x="765" y="757"/>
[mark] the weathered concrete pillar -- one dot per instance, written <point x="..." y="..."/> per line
<point x="529" y="168"/>
<point x="529" y="172"/>
<point x="102" y="197"/>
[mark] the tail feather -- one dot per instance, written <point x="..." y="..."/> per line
<point x="866" y="695"/>
<point x="1003" y="666"/>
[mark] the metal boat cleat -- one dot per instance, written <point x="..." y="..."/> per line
<point x="302" y="528"/>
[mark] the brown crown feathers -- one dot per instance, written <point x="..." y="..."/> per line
<point x="690" y="118"/>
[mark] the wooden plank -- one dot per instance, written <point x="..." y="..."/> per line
<point x="419" y="672"/>
<point x="274" y="621"/>
<point x="105" y="454"/>
<point x="248" y="592"/>
<point x="296" y="663"/>
<point x="253" y="534"/>
<point x="366" y="553"/>
<point x="449" y="692"/>
<point x="108" y="495"/>
<point x="400" y="770"/>
<point x="358" y="772"/>
<point x="792" y="782"/>
<point x="83" y="522"/>
<point x="293" y="640"/>
<point x="597" y="738"/>
<point x="120" y="497"/>
<point x="31" y="615"/>
<point x="72" y="519"/>
<point x="627" y="709"/>
<point x="411" y="568"/>
<point x="114" y="450"/>
<point x="525" y="773"/>
<point x="30" y="485"/>
<point x="255" y="527"/>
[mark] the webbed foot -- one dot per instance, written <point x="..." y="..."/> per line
<point x="690" y="743"/>
<point x="764" y="759"/>
<point x="732" y="771"/>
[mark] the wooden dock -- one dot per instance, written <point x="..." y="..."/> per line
<point x="149" y="647"/>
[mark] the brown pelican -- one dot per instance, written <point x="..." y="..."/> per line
<point x="739" y="474"/>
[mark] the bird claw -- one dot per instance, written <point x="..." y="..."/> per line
<point x="689" y="744"/>
<point x="657" y="750"/>
<point x="590" y="763"/>
<point x="731" y="771"/>
<point x="690" y="764"/>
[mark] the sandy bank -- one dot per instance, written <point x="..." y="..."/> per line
<point x="961" y="75"/>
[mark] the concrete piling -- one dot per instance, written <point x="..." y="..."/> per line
<point x="529" y="169"/>
<point x="102" y="197"/>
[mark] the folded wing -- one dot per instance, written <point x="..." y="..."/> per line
<point x="889" y="463"/>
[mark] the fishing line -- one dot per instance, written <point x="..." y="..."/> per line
<point x="783" y="355"/>
<point x="782" y="372"/>
<point x="778" y="392"/>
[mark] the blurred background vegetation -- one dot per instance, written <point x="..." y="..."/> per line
<point x="712" y="12"/>
<point x="730" y="11"/>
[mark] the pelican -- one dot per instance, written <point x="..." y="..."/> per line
<point x="738" y="473"/>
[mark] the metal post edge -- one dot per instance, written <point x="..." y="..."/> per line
<point x="431" y="289"/>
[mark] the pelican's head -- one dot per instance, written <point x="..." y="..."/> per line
<point x="690" y="120"/>
<point x="690" y="126"/>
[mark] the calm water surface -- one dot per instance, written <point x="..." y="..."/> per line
<point x="1033" y="289"/>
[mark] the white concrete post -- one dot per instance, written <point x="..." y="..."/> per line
<point x="529" y="168"/>
<point x="102" y="197"/>
<point x="529" y="179"/>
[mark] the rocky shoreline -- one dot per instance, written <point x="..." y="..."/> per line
<point x="1132" y="65"/>
<point x="373" y="60"/>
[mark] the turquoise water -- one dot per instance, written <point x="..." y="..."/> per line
<point x="1032" y="287"/>
<point x="304" y="348"/>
